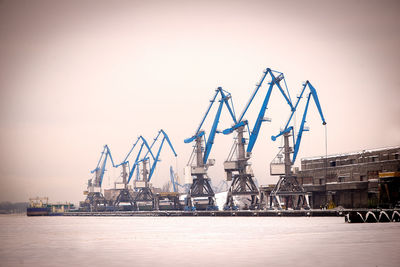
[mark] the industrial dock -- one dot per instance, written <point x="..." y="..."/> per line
<point x="350" y="215"/>
<point x="322" y="186"/>
<point x="239" y="213"/>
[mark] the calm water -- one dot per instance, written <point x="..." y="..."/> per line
<point x="199" y="241"/>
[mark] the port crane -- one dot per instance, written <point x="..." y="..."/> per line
<point x="174" y="181"/>
<point x="142" y="183"/>
<point x="238" y="170"/>
<point x="124" y="195"/>
<point x="201" y="195"/>
<point x="288" y="187"/>
<point x="95" y="199"/>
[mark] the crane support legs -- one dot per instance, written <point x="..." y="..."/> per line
<point x="242" y="182"/>
<point x="242" y="185"/>
<point x="144" y="200"/>
<point x="125" y="197"/>
<point x="200" y="195"/>
<point x="124" y="194"/>
<point x="95" y="201"/>
<point x="291" y="192"/>
<point x="288" y="187"/>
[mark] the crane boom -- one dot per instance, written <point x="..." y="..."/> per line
<point x="288" y="128"/>
<point x="300" y="133"/>
<point x="213" y="131"/>
<point x="156" y="159"/>
<point x="316" y="100"/>
<point x="105" y="153"/>
<point x="224" y="99"/>
<point x="275" y="80"/>
<point x="144" y="142"/>
<point x="136" y="163"/>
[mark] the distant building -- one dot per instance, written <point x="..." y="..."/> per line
<point x="368" y="178"/>
<point x="60" y="207"/>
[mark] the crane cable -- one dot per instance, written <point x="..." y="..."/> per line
<point x="326" y="152"/>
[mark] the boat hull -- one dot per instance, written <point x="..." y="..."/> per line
<point x="37" y="211"/>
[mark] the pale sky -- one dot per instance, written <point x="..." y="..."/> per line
<point x="75" y="75"/>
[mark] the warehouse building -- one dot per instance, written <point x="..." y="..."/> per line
<point x="364" y="179"/>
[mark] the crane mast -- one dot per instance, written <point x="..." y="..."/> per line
<point x="156" y="159"/>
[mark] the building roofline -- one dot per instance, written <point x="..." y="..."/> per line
<point x="352" y="153"/>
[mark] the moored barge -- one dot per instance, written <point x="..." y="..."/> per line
<point x="38" y="207"/>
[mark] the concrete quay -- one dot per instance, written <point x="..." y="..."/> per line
<point x="240" y="213"/>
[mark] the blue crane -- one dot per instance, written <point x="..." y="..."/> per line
<point x="101" y="165"/>
<point x="145" y="194"/>
<point x="174" y="181"/>
<point x="288" y="187"/>
<point x="95" y="200"/>
<point x="290" y="128"/>
<point x="237" y="170"/>
<point x="200" y="187"/>
<point x="156" y="158"/>
<point x="143" y="143"/>
<point x="275" y="80"/>
<point x="172" y="176"/>
<point x="225" y="98"/>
